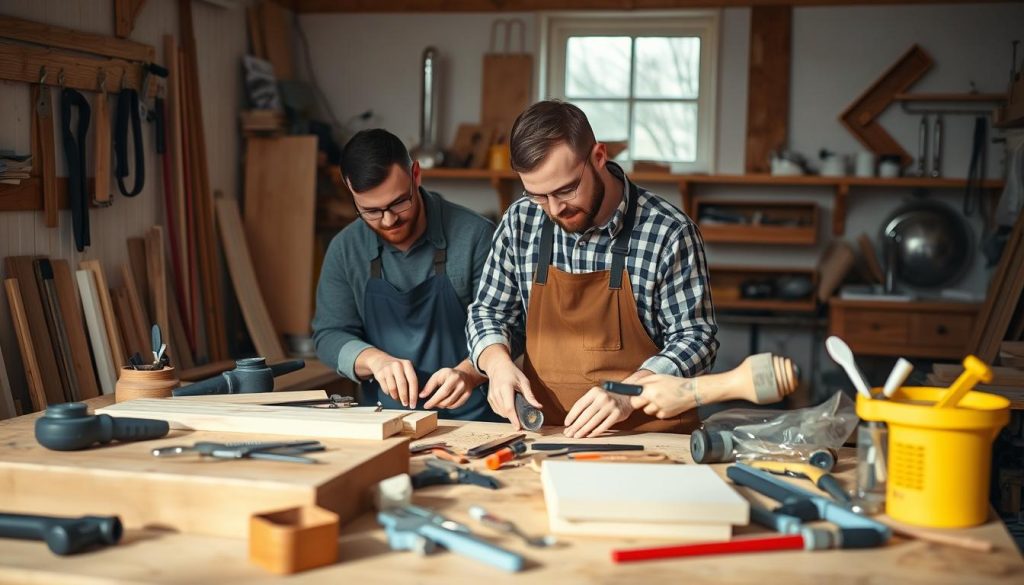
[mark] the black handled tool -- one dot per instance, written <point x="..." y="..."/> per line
<point x="624" y="389"/>
<point x="70" y="427"/>
<point x="584" y="447"/>
<point x="529" y="416"/>
<point x="64" y="536"/>
<point x="440" y="472"/>
<point x="251" y="375"/>
<point x="491" y="446"/>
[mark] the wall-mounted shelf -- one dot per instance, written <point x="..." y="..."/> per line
<point x="727" y="282"/>
<point x="756" y="222"/>
<point x="506" y="183"/>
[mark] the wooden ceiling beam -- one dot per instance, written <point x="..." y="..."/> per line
<point x="535" y="5"/>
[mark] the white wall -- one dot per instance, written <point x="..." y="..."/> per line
<point x="221" y="40"/>
<point x="372" y="61"/>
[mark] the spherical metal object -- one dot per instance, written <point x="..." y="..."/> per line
<point x="930" y="243"/>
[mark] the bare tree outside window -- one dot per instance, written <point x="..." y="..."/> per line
<point x="643" y="89"/>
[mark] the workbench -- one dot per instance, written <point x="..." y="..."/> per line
<point x="154" y="556"/>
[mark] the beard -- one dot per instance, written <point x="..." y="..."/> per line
<point x="402" y="230"/>
<point x="575" y="220"/>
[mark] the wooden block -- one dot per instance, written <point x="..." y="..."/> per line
<point x="294" y="539"/>
<point x="280" y="221"/>
<point x="7" y="406"/>
<point x="109" y="317"/>
<point x="105" y="369"/>
<point x="250" y="418"/>
<point x="74" y="324"/>
<point x="185" y="493"/>
<point x="21" y="268"/>
<point x="276" y="29"/>
<point x="156" y="268"/>
<point x="23" y="331"/>
<point x="768" y="106"/>
<point x="243" y="277"/>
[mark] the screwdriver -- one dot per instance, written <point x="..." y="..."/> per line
<point x="499" y="458"/>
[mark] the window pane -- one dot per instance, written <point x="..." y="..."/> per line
<point x="667" y="67"/>
<point x="597" y="67"/>
<point x="665" y="131"/>
<point x="608" y="118"/>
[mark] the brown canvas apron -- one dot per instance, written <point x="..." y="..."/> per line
<point x="582" y="329"/>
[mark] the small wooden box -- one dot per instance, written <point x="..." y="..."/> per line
<point x="294" y="539"/>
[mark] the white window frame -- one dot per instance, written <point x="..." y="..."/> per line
<point x="557" y="27"/>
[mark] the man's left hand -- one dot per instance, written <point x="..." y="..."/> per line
<point x="451" y="388"/>
<point x="598" y="410"/>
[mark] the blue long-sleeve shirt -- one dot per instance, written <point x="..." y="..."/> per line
<point x="338" y="323"/>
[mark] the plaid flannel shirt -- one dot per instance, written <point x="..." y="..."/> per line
<point x="666" y="267"/>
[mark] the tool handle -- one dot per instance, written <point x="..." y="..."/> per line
<point x="64" y="536"/>
<point x="473" y="547"/>
<point x="287" y="367"/>
<point x="762" y="544"/>
<point x="137" y="429"/>
<point x="623" y="389"/>
<point x="831" y="486"/>
<point x="584" y="447"/>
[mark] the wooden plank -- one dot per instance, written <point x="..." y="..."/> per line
<point x="769" y="68"/>
<point x="101" y="150"/>
<point x="414" y="6"/>
<point x="280" y="221"/>
<point x="55" y="328"/>
<point x="125" y="13"/>
<point x="44" y="151"/>
<point x="276" y="32"/>
<point x="8" y="409"/>
<point x="251" y="418"/>
<point x="109" y="317"/>
<point x="210" y="272"/>
<point x="140" y="320"/>
<point x="860" y="117"/>
<point x="256" y="47"/>
<point x="178" y="172"/>
<point x="156" y="269"/>
<point x="71" y="309"/>
<point x="105" y="368"/>
<point x="140" y="274"/>
<point x="82" y="72"/>
<point x="21" y="268"/>
<point x="127" y="325"/>
<point x="178" y="346"/>
<point x="23" y="330"/>
<point x="415" y="423"/>
<point x="989" y="328"/>
<point x="66" y="483"/>
<point x="243" y="277"/>
<point x="65" y="38"/>
<point x="507" y="90"/>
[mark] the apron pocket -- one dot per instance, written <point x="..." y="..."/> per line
<point x="603" y="331"/>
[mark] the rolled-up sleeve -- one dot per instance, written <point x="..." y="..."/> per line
<point x="496" y="310"/>
<point x="337" y="326"/>
<point x="685" y="313"/>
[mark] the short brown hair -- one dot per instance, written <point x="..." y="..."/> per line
<point x="542" y="126"/>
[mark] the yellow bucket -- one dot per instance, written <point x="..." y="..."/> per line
<point x="939" y="458"/>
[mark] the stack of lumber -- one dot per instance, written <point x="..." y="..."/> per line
<point x="1002" y="315"/>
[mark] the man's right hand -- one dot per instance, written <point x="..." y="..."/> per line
<point x="505" y="379"/>
<point x="396" y="377"/>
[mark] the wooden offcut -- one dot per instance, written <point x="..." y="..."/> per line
<point x="106" y="371"/>
<point x="280" y="221"/>
<point x="57" y="330"/>
<point x="861" y="117"/>
<point x="768" y="100"/>
<point x="184" y="493"/>
<point x="271" y="420"/>
<point x="23" y="330"/>
<point x="21" y="268"/>
<point x="74" y="324"/>
<point x="109" y="316"/>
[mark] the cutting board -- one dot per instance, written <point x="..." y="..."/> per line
<point x="415" y="423"/>
<point x="255" y="418"/>
<point x="507" y="80"/>
<point x="186" y="493"/>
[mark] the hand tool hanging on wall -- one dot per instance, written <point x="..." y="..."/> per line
<point x="74" y="154"/>
<point x="922" y="147"/>
<point x="101" y="146"/>
<point x="937" y="146"/>
<point x="42" y="124"/>
<point x="128" y="109"/>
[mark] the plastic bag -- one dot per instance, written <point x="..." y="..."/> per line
<point x="746" y="433"/>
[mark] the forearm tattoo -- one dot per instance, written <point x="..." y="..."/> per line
<point x="689" y="385"/>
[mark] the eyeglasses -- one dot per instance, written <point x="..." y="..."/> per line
<point x="396" y="207"/>
<point x="565" y="194"/>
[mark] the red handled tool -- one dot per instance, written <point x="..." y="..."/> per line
<point x="760" y="544"/>
<point x="499" y="458"/>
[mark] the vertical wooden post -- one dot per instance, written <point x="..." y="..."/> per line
<point x="768" y="84"/>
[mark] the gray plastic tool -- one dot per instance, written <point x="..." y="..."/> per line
<point x="70" y="427"/>
<point x="530" y="416"/>
<point x="64" y="536"/>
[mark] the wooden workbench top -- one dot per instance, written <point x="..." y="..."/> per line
<point x="162" y="557"/>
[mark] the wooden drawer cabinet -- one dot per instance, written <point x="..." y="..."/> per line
<point x="938" y="330"/>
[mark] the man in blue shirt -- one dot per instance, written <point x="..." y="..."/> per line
<point x="394" y="287"/>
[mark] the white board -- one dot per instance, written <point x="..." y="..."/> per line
<point x="641" y="493"/>
<point x="97" y="330"/>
